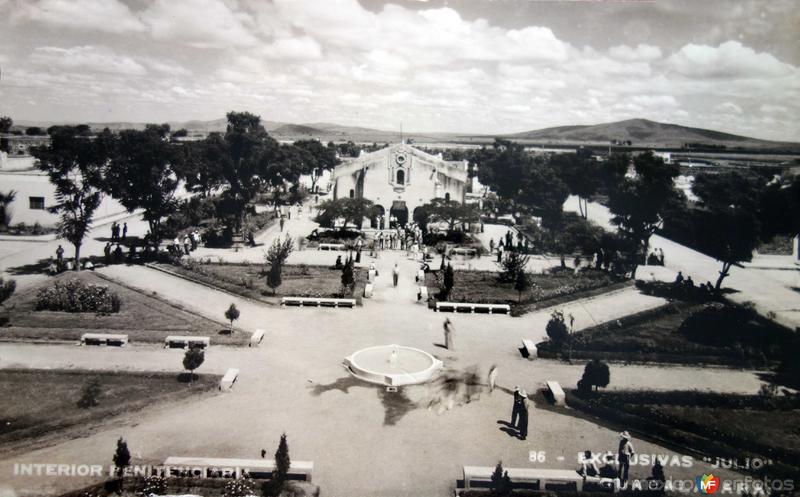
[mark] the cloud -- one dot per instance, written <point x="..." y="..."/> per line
<point x="641" y="52"/>
<point x="729" y="60"/>
<point x="87" y="58"/>
<point x="101" y="15"/>
<point x="729" y="108"/>
<point x="301" y="48"/>
<point x="199" y="23"/>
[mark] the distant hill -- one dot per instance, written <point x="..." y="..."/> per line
<point x="642" y="132"/>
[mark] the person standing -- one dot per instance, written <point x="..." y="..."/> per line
<point x="124" y="231"/>
<point x="186" y="244"/>
<point x="522" y="428"/>
<point x="281" y="222"/>
<point x="500" y="254"/>
<point x="624" y="455"/>
<point x="114" y="231"/>
<point x="448" y="334"/>
<point x="107" y="253"/>
<point x="194" y="239"/>
<point x="60" y="254"/>
<point x="492" y="378"/>
<point x="491" y="245"/>
<point x="395" y="274"/>
<point x="517" y="405"/>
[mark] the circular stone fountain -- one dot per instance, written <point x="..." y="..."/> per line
<point x="392" y="365"/>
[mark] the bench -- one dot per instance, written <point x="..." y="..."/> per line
<point x="467" y="252"/>
<point x="368" y="289"/>
<point x="423" y="291"/>
<point x="109" y="339"/>
<point x="420" y="276"/>
<point x="318" y="302"/>
<point x="332" y="246"/>
<point x="539" y="479"/>
<point x="256" y="338"/>
<point x="215" y="467"/>
<point x="529" y="350"/>
<point x="180" y="342"/>
<point x="557" y="392"/>
<point x="228" y="380"/>
<point x="372" y="275"/>
<point x="466" y="307"/>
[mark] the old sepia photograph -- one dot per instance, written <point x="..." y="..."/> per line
<point x="399" y="248"/>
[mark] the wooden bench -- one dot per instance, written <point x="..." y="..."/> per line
<point x="228" y="380"/>
<point x="557" y="392"/>
<point x="332" y="246"/>
<point x="215" y="467"/>
<point x="539" y="479"/>
<point x="466" y="307"/>
<point x="529" y="350"/>
<point x="256" y="338"/>
<point x="180" y="342"/>
<point x="108" y="339"/>
<point x="318" y="302"/>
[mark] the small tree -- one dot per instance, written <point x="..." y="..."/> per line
<point x="274" y="276"/>
<point x="282" y="465"/>
<point x="448" y="281"/>
<point x="557" y="329"/>
<point x="232" y="314"/>
<point x="122" y="457"/>
<point x="512" y="264"/>
<point x="595" y="374"/>
<point x="193" y="359"/>
<point x="500" y="485"/>
<point x="348" y="275"/>
<point x="522" y="283"/>
<point x="89" y="394"/>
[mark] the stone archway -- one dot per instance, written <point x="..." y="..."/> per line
<point x="399" y="212"/>
<point x="378" y="219"/>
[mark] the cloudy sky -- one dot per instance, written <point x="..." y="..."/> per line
<point x="483" y="66"/>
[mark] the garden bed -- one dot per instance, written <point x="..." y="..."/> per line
<point x="739" y="338"/>
<point x="250" y="280"/>
<point x="43" y="403"/>
<point x="723" y="425"/>
<point x="485" y="287"/>
<point x="143" y="317"/>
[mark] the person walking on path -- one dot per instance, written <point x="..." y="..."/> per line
<point x="624" y="455"/>
<point x="517" y="406"/>
<point x="186" y="244"/>
<point x="124" y="231"/>
<point x="448" y="334"/>
<point x="395" y="274"/>
<point x="492" y="377"/>
<point x="114" y="231"/>
<point x="522" y="428"/>
<point x="281" y="222"/>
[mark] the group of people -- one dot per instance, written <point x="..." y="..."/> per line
<point x="187" y="245"/>
<point x="615" y="467"/>
<point x="58" y="264"/>
<point x="506" y="243"/>
<point x="115" y="231"/>
<point x="687" y="284"/>
<point x="407" y="238"/>
<point x="656" y="257"/>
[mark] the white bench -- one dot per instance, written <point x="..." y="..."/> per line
<point x="368" y="289"/>
<point x="332" y="246"/>
<point x="256" y="338"/>
<point x="318" y="302"/>
<point x="529" y="349"/>
<point x="420" y="276"/>
<point x="423" y="291"/>
<point x="180" y="342"/>
<point x="557" y="392"/>
<point x="210" y="467"/>
<point x="108" y="339"/>
<point x="372" y="275"/>
<point x="538" y="479"/>
<point x="467" y="307"/>
<point x="470" y="252"/>
<point x="228" y="380"/>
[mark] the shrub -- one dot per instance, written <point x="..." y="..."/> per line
<point x="557" y="329"/>
<point x="76" y="296"/>
<point x="6" y="289"/>
<point x="239" y="488"/>
<point x="595" y="374"/>
<point x="89" y="394"/>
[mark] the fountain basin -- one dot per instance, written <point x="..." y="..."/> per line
<point x="392" y="365"/>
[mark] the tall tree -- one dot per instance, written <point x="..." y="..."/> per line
<point x="74" y="164"/>
<point x="276" y="257"/>
<point x="350" y="210"/>
<point x="199" y="164"/>
<point x="638" y="203"/>
<point x="140" y="175"/>
<point x="316" y="158"/>
<point x="5" y="124"/>
<point x="282" y="466"/>
<point x="5" y="201"/>
<point x="581" y="174"/>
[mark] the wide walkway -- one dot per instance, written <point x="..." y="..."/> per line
<point x="770" y="297"/>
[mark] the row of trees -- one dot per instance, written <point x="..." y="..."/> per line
<point x="142" y="170"/>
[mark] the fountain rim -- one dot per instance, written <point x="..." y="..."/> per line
<point x="370" y="376"/>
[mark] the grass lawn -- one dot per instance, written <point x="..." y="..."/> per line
<point x="39" y="403"/>
<point x="656" y="335"/>
<point x="485" y="287"/>
<point x="250" y="281"/>
<point x="143" y="317"/>
<point x="724" y="425"/>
